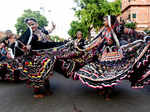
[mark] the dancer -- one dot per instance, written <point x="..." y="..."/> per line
<point x="113" y="61"/>
<point x="140" y="74"/>
<point x="9" y="65"/>
<point x="39" y="36"/>
<point x="36" y="66"/>
<point x="74" y="58"/>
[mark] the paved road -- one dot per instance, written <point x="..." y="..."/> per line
<point x="18" y="98"/>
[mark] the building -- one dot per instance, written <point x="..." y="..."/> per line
<point x="2" y="34"/>
<point x="137" y="11"/>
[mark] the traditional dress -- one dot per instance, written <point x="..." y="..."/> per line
<point x="140" y="74"/>
<point x="73" y="59"/>
<point x="36" y="66"/>
<point x="112" y="63"/>
<point x="10" y="69"/>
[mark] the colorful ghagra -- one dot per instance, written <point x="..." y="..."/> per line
<point x="73" y="59"/>
<point x="111" y="66"/>
<point x="38" y="69"/>
<point x="140" y="74"/>
<point x="11" y="70"/>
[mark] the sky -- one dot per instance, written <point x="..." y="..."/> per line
<point x="58" y="11"/>
<point x="110" y="0"/>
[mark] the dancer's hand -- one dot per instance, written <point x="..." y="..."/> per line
<point x="53" y="27"/>
<point x="28" y="47"/>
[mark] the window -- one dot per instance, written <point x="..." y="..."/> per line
<point x="134" y="15"/>
<point x="129" y="16"/>
<point x="120" y="18"/>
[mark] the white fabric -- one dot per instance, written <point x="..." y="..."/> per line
<point x="30" y="38"/>
<point x="11" y="53"/>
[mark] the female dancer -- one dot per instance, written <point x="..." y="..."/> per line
<point x="113" y="61"/>
<point x="36" y="66"/>
<point x="140" y="74"/>
<point x="74" y="58"/>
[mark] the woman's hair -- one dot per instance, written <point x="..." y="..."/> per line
<point x="113" y="19"/>
<point x="79" y="32"/>
<point x="9" y="33"/>
<point x="30" y="19"/>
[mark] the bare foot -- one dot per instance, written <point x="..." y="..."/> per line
<point x="101" y="92"/>
<point x="38" y="96"/>
<point x="107" y="99"/>
<point x="48" y="93"/>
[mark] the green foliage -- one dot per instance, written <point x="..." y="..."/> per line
<point x="147" y="32"/>
<point x="21" y="26"/>
<point x="115" y="7"/>
<point x="77" y="26"/>
<point x="131" y="25"/>
<point x="56" y="38"/>
<point x="91" y="13"/>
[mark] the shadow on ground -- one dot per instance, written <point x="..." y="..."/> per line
<point x="72" y="96"/>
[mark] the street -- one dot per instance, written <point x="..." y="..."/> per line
<point x="68" y="94"/>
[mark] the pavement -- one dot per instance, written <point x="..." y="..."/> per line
<point x="69" y="95"/>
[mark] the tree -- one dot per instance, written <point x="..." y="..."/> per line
<point x="21" y="26"/>
<point x="56" y="38"/>
<point x="90" y="13"/>
<point x="77" y="26"/>
<point x="131" y="25"/>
